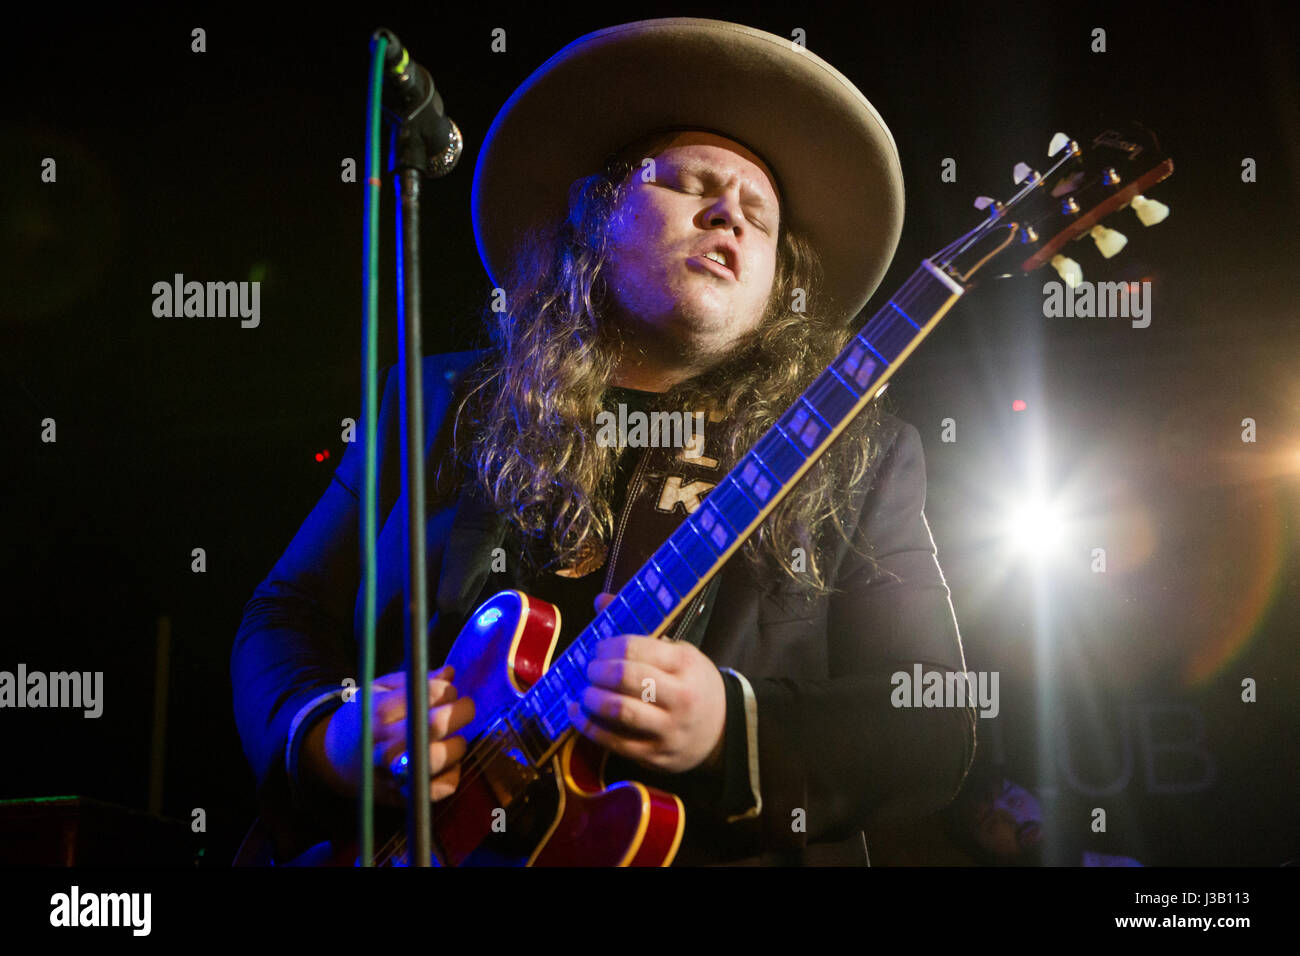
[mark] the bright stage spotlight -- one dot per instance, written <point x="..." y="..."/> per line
<point x="1034" y="528"/>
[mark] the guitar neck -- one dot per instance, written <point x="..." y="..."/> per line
<point x="735" y="508"/>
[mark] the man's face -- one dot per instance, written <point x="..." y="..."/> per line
<point x="709" y="194"/>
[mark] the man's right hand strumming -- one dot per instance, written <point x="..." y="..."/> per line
<point x="330" y="748"/>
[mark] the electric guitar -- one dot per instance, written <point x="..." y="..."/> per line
<point x="526" y="769"/>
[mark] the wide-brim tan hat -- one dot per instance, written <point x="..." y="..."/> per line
<point x="833" y="157"/>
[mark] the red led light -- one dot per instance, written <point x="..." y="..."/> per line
<point x="1018" y="405"/>
<point x="319" y="456"/>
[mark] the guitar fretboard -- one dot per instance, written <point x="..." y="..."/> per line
<point x="733" y="509"/>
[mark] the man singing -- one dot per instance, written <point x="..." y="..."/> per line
<point x="679" y="215"/>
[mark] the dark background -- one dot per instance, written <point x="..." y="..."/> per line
<point x="183" y="433"/>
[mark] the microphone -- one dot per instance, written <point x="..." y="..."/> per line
<point x="429" y="140"/>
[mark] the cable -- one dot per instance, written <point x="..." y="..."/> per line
<point x="369" y="416"/>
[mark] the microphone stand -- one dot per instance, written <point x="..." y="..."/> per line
<point x="424" y="143"/>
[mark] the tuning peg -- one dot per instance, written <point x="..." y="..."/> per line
<point x="984" y="202"/>
<point x="1067" y="269"/>
<point x="1021" y="173"/>
<point x="1149" y="211"/>
<point x="1108" y="241"/>
<point x="1058" y="143"/>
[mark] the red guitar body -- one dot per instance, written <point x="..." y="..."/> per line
<point x="506" y="811"/>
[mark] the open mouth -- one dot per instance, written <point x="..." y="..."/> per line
<point x="711" y="264"/>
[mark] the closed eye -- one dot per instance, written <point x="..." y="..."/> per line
<point x="692" y="186"/>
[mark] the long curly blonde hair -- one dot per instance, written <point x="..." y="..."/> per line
<point x="532" y="404"/>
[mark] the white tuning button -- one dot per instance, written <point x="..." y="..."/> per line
<point x="1149" y="211"/>
<point x="1067" y="269"/>
<point x="1058" y="143"/>
<point x="983" y="202"/>
<point x="1108" y="241"/>
<point x="1020" y="173"/>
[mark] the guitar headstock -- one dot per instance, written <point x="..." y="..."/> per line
<point x="1086" y="182"/>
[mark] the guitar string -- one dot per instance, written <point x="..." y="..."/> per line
<point x="1026" y="190"/>
<point x="480" y="754"/>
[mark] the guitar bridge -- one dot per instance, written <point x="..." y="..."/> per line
<point x="504" y="765"/>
